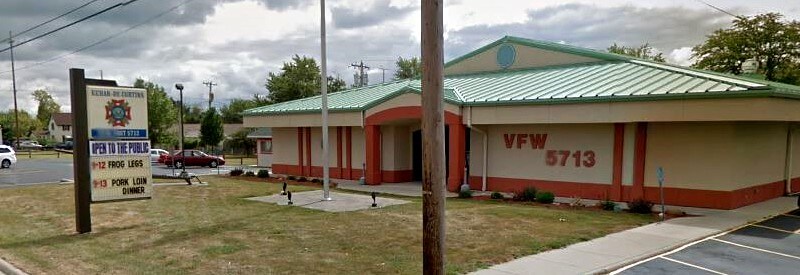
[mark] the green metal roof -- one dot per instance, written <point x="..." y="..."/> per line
<point x="616" y="78"/>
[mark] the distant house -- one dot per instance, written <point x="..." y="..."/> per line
<point x="60" y="127"/>
<point x="263" y="137"/>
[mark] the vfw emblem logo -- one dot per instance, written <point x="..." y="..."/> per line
<point x="118" y="112"/>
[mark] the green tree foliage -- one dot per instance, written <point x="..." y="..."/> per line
<point x="211" y="131"/>
<point x="299" y="78"/>
<point x="232" y="112"/>
<point x="408" y="68"/>
<point x="47" y="106"/>
<point x="161" y="113"/>
<point x="644" y="51"/>
<point x="192" y="114"/>
<point x="27" y="124"/>
<point x="772" y="43"/>
<point x="239" y="142"/>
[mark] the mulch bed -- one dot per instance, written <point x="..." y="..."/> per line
<point x="669" y="214"/>
<point x="281" y="180"/>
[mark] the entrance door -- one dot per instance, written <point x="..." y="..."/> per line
<point x="416" y="155"/>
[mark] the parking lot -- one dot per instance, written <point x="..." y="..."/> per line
<point x="771" y="246"/>
<point x="38" y="171"/>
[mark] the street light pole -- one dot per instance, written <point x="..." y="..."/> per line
<point x="183" y="160"/>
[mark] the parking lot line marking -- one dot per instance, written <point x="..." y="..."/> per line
<point x="776" y="229"/>
<point x="692" y="265"/>
<point x="758" y="249"/>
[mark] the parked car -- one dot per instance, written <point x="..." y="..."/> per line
<point x="7" y="156"/>
<point x="191" y="158"/>
<point x="29" y="145"/>
<point x="65" y="145"/>
<point x="155" y="154"/>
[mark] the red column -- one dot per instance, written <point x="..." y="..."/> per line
<point x="309" y="170"/>
<point x="615" y="193"/>
<point x="339" y="168"/>
<point x="372" y="133"/>
<point x="457" y="156"/>
<point x="300" y="146"/>
<point x="639" y="155"/>
<point x="348" y="133"/>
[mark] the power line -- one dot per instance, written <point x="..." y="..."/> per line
<point x="101" y="41"/>
<point x="51" y="20"/>
<point x="719" y="9"/>
<point x="70" y="24"/>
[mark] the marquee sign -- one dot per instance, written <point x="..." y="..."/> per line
<point x="117" y="112"/>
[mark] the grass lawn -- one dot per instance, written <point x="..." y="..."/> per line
<point x="188" y="230"/>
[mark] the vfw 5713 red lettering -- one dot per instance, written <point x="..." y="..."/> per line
<point x="535" y="141"/>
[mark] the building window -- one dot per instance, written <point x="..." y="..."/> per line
<point x="65" y="127"/>
<point x="266" y="146"/>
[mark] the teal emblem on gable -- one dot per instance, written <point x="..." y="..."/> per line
<point x="506" y="55"/>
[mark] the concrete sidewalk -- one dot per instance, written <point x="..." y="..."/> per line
<point x="616" y="250"/>
<point x="408" y="189"/>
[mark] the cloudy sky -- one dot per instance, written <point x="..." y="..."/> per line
<point x="237" y="42"/>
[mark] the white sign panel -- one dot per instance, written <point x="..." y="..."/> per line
<point x="116" y="112"/>
<point x="120" y="170"/>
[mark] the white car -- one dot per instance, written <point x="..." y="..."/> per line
<point x="155" y="154"/>
<point x="7" y="156"/>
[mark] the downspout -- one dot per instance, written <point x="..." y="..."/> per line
<point x="788" y="169"/>
<point x="485" y="148"/>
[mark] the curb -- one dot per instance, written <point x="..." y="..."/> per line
<point x="8" y="269"/>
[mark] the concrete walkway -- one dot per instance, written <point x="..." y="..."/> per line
<point x="408" y="189"/>
<point x="616" y="250"/>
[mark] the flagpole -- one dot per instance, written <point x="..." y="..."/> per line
<point x="324" y="91"/>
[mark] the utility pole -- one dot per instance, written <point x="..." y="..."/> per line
<point x="14" y="87"/>
<point x="383" y="74"/>
<point x="210" y="94"/>
<point x="326" y="194"/>
<point x="433" y="160"/>
<point x="360" y="79"/>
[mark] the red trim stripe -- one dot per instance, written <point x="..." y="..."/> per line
<point x="619" y="146"/>
<point x="349" y="140"/>
<point x="300" y="150"/>
<point x="639" y="155"/>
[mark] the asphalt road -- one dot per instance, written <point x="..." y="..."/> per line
<point x="39" y="171"/>
<point x="771" y="246"/>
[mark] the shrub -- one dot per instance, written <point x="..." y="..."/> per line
<point x="263" y="173"/>
<point x="302" y="179"/>
<point x="315" y="180"/>
<point x="545" y="197"/>
<point x="249" y="174"/>
<point x="291" y="178"/>
<point x="528" y="194"/>
<point x="236" y="172"/>
<point x="465" y="194"/>
<point x="497" y="196"/>
<point x="608" y="205"/>
<point x="640" y="206"/>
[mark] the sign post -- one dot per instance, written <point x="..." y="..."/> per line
<point x="112" y="149"/>
<point x="660" y="175"/>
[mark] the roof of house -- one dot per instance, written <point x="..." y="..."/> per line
<point x="260" y="132"/>
<point x="62" y="119"/>
<point x="613" y="78"/>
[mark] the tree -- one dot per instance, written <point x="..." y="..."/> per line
<point x="27" y="124"/>
<point x="408" y="68"/>
<point x="47" y="106"/>
<point x="192" y="113"/>
<point x="240" y="141"/>
<point x="161" y="113"/>
<point x="772" y="43"/>
<point x="232" y="113"/>
<point x="299" y="78"/>
<point x="211" y="131"/>
<point x="644" y="51"/>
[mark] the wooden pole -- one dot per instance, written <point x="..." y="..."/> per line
<point x="80" y="155"/>
<point x="433" y="159"/>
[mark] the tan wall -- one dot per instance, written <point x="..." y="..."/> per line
<point x="303" y="120"/>
<point x="395" y="147"/>
<point x="758" y="109"/>
<point x="715" y="156"/>
<point x="795" y="154"/>
<point x="527" y="57"/>
<point x="407" y="99"/>
<point x="284" y="146"/>
<point x="358" y="148"/>
<point x="527" y="163"/>
<point x="476" y="153"/>
<point x="316" y="146"/>
<point x="627" y="153"/>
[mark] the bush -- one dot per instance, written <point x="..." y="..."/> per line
<point x="249" y="174"/>
<point x="497" y="196"/>
<point x="527" y="194"/>
<point x="291" y="178"/>
<point x="236" y="172"/>
<point x="465" y="194"/>
<point x="315" y="180"/>
<point x="545" y="197"/>
<point x="640" y="206"/>
<point x="608" y="205"/>
<point x="302" y="179"/>
<point x="263" y="173"/>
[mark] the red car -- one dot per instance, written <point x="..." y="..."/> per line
<point x="191" y="158"/>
